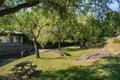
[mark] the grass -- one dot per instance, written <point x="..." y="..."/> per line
<point x="67" y="68"/>
<point x="49" y="61"/>
<point x="116" y="40"/>
<point x="113" y="46"/>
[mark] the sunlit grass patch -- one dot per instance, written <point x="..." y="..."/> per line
<point x="50" y="61"/>
<point x="56" y="67"/>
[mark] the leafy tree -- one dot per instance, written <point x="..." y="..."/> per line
<point x="88" y="28"/>
<point x="32" y="23"/>
<point x="111" y="26"/>
<point x="73" y="28"/>
<point x="57" y="29"/>
<point x="8" y="7"/>
<point x="7" y="22"/>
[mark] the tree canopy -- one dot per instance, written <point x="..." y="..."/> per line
<point x="11" y="6"/>
<point x="80" y="21"/>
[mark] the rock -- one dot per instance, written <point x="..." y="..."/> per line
<point x="118" y="37"/>
<point x="64" y="53"/>
<point x="100" y="54"/>
<point x="118" y="53"/>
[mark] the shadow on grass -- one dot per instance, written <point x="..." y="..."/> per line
<point x="83" y="48"/>
<point x="61" y="57"/>
<point x="72" y="49"/>
<point x="104" y="70"/>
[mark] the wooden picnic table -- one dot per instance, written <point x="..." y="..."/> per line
<point x="23" y="68"/>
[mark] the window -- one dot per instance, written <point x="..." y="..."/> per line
<point x="10" y="39"/>
<point x="1" y="39"/>
<point x="18" y="39"/>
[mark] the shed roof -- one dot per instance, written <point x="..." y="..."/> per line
<point x="11" y="33"/>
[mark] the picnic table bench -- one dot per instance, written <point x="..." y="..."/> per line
<point x="23" y="68"/>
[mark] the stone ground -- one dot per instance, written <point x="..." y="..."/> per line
<point x="99" y="54"/>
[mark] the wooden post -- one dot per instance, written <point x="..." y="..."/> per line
<point x="22" y="54"/>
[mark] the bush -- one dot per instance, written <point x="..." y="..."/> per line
<point x="3" y="78"/>
<point x="116" y="40"/>
<point x="106" y="38"/>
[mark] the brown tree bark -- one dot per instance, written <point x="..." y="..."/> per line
<point x="36" y="48"/>
<point x="1" y="2"/>
<point x="59" y="44"/>
<point x="32" y="3"/>
<point x="34" y="38"/>
<point x="18" y="7"/>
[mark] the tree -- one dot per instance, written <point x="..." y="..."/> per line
<point x="111" y="24"/>
<point x="15" y="8"/>
<point x="8" y="7"/>
<point x="7" y="22"/>
<point x="32" y="23"/>
<point x="62" y="8"/>
<point x="73" y="28"/>
<point x="57" y="29"/>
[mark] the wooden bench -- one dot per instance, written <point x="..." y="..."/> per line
<point x="31" y="69"/>
<point x="23" y="68"/>
<point x="14" y="70"/>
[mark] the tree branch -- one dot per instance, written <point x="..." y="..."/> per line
<point x="1" y="2"/>
<point x="18" y="7"/>
<point x="38" y="31"/>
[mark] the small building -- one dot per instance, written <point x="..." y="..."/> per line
<point x="11" y="42"/>
<point x="11" y="37"/>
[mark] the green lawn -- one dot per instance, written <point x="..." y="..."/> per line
<point x="67" y="68"/>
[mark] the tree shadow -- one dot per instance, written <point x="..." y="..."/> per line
<point x="61" y="57"/>
<point x="104" y="70"/>
<point x="72" y="49"/>
<point x="111" y="67"/>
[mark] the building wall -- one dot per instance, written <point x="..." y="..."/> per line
<point x="11" y="39"/>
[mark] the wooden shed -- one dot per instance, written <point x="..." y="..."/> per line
<point x="11" y="37"/>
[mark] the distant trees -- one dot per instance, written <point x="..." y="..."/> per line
<point x="81" y="21"/>
<point x="7" y="22"/>
<point x="56" y="29"/>
<point x="111" y="26"/>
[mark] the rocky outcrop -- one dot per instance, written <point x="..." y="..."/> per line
<point x="100" y="54"/>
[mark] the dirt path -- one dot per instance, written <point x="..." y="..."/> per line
<point x="48" y="50"/>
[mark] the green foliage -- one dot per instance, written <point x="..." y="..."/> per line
<point x="116" y="40"/>
<point x="7" y="22"/>
<point x="106" y="38"/>
<point x="31" y="20"/>
<point x="4" y="78"/>
<point x="66" y="20"/>
<point x="110" y="25"/>
<point x="45" y="37"/>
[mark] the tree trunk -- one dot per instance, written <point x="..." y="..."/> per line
<point x="1" y="2"/>
<point x="75" y="43"/>
<point x="59" y="44"/>
<point x="36" y="48"/>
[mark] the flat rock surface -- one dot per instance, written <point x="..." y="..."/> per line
<point x="99" y="54"/>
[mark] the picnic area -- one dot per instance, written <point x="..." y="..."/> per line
<point x="59" y="39"/>
<point x="55" y="67"/>
<point x="23" y="68"/>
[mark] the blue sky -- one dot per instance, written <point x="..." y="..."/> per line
<point x="114" y="6"/>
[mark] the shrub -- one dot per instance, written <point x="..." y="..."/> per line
<point x="3" y="78"/>
<point x="116" y="40"/>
